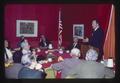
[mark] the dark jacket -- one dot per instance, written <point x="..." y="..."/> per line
<point x="70" y="47"/>
<point x="42" y="43"/>
<point x="17" y="56"/>
<point x="97" y="38"/>
<point x="97" y="41"/>
<point x="26" y="73"/>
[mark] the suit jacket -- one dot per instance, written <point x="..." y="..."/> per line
<point x="91" y="69"/>
<point x="42" y="44"/>
<point x="17" y="56"/>
<point x="97" y="40"/>
<point x="26" y="73"/>
<point x="72" y="46"/>
<point x="8" y="54"/>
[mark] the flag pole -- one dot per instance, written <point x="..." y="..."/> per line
<point x="60" y="30"/>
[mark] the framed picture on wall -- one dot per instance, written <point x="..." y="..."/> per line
<point x="78" y="31"/>
<point x="27" y="28"/>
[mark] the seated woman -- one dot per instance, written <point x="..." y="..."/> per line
<point x="34" y="55"/>
<point x="22" y="55"/>
<point x="26" y="54"/>
<point x="19" y="45"/>
<point x="22" y="38"/>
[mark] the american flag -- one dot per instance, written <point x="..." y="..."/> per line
<point x="60" y="28"/>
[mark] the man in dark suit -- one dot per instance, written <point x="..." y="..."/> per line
<point x="43" y="41"/>
<point x="96" y="40"/>
<point x="75" y="44"/>
<point x="27" y="73"/>
<point x="33" y="71"/>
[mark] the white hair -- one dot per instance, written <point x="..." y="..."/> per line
<point x="91" y="55"/>
<point x="75" y="52"/>
<point x="24" y="44"/>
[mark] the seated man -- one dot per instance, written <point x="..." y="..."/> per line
<point x="90" y="68"/>
<point x="67" y="64"/>
<point x="75" y="44"/>
<point x="8" y="56"/>
<point x="43" y="42"/>
<point x="25" y="50"/>
<point x="33" y="71"/>
<point x="91" y="55"/>
<point x="23" y="54"/>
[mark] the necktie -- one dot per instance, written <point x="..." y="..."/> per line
<point x="74" y="45"/>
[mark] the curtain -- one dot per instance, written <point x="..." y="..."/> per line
<point x="109" y="44"/>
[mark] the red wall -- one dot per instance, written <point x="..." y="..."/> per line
<point x="47" y="16"/>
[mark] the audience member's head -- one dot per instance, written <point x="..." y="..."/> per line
<point x="5" y="43"/>
<point x="75" y="52"/>
<point x="25" y="46"/>
<point x="22" y="37"/>
<point x="91" y="55"/>
<point x="95" y="23"/>
<point x="42" y="38"/>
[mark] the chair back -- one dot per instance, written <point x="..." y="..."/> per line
<point x="50" y="73"/>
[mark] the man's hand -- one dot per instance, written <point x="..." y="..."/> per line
<point x="60" y="59"/>
<point x="85" y="40"/>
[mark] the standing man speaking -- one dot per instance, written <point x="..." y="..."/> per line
<point x="96" y="40"/>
